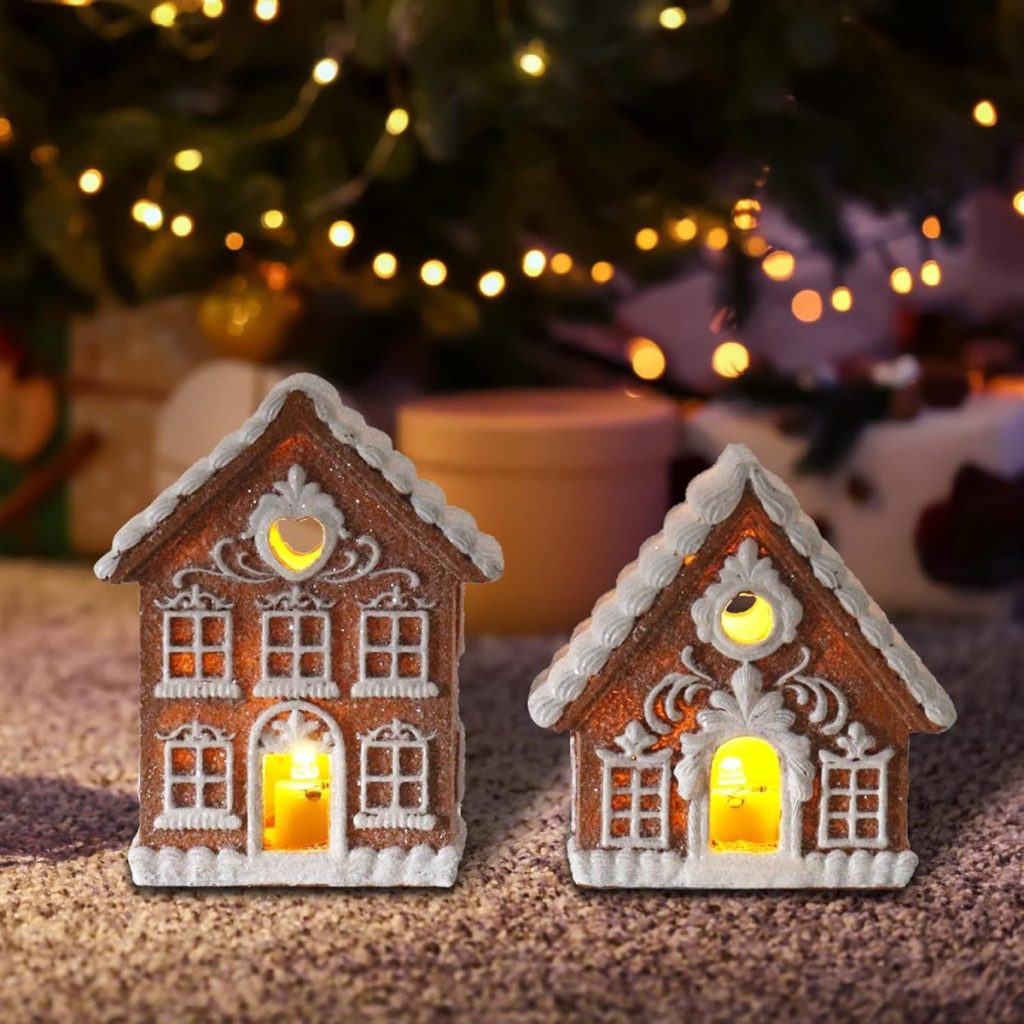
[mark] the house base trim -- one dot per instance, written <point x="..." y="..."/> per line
<point x="363" y="866"/>
<point x="668" y="869"/>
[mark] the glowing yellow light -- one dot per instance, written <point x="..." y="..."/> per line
<point x="164" y="14"/>
<point x="684" y="229"/>
<point x="6" y="129"/>
<point x="561" y="263"/>
<point x="325" y="71"/>
<point x="433" y="272"/>
<point x="182" y="225"/>
<point x="901" y="280"/>
<point x="779" y="265"/>
<point x="807" y="306"/>
<point x="265" y="10"/>
<point x="745" y="798"/>
<point x="755" y="246"/>
<point x="717" y="238"/>
<point x="276" y="275"/>
<point x="745" y="214"/>
<point x="296" y="543"/>
<point x="534" y="262"/>
<point x="672" y="18"/>
<point x="842" y="299"/>
<point x="341" y="234"/>
<point x="147" y="212"/>
<point x="397" y="122"/>
<point x="234" y="240"/>
<point x="213" y="8"/>
<point x="985" y="113"/>
<point x="646" y="358"/>
<point x="1018" y="203"/>
<point x="602" y="272"/>
<point x="43" y="154"/>
<point x="90" y="181"/>
<point x="533" y="60"/>
<point x="646" y="239"/>
<point x="188" y="159"/>
<point x="272" y="219"/>
<point x="931" y="273"/>
<point x="304" y="766"/>
<point x="492" y="283"/>
<point x="730" y="359"/>
<point x="748" y="619"/>
<point x="76" y="3"/>
<point x="385" y="265"/>
<point x="931" y="227"/>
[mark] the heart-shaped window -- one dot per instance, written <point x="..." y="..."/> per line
<point x="296" y="543"/>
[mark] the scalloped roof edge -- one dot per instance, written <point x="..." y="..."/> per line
<point x="373" y="446"/>
<point x="710" y="498"/>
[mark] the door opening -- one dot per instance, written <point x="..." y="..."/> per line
<point x="745" y="806"/>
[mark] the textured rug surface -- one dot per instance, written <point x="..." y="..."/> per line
<point x="514" y="940"/>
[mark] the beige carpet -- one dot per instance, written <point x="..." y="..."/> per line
<point x="514" y="940"/>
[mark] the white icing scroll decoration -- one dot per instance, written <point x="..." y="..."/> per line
<point x="296" y="726"/>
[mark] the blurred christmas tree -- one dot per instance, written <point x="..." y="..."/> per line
<point x="446" y="179"/>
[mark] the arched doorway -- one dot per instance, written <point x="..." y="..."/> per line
<point x="745" y="797"/>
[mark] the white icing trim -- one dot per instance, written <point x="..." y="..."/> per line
<point x="189" y="818"/>
<point x="668" y="869"/>
<point x="711" y="497"/>
<point x="301" y="687"/>
<point x="174" y="688"/>
<point x="394" y="688"/>
<point x="394" y="819"/>
<point x="373" y="446"/>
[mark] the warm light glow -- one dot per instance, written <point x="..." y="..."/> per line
<point x="561" y="263"/>
<point x="164" y="15"/>
<point x="533" y="61"/>
<point x="276" y="275"/>
<point x="931" y="273"/>
<point x="646" y="239"/>
<point x="646" y="358"/>
<point x="748" y="619"/>
<point x="492" y="283"/>
<point x="181" y="225"/>
<point x="397" y="122"/>
<point x="188" y="159"/>
<point x="842" y="299"/>
<point x="265" y="10"/>
<point x="213" y="8"/>
<point x="779" y="265"/>
<point x="534" y="262"/>
<point x="602" y="272"/>
<point x="296" y="799"/>
<point x="90" y="181"/>
<point x="745" y="803"/>
<point x="296" y="543"/>
<point x="385" y="265"/>
<point x="234" y="240"/>
<point x="341" y="234"/>
<point x="147" y="212"/>
<point x="325" y="71"/>
<point x="807" y="306"/>
<point x="44" y="153"/>
<point x="745" y="214"/>
<point x="685" y="229"/>
<point x="433" y="272"/>
<point x="985" y="113"/>
<point x="730" y="359"/>
<point x="901" y="280"/>
<point x="304" y="766"/>
<point x="931" y="227"/>
<point x="717" y="238"/>
<point x="755" y="246"/>
<point x="672" y="18"/>
<point x="272" y="219"/>
<point x="6" y="130"/>
<point x="1018" y="203"/>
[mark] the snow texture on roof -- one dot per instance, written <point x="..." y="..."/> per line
<point x="710" y="499"/>
<point x="373" y="446"/>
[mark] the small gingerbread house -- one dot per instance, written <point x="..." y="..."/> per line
<point x="301" y="626"/>
<point x="739" y="708"/>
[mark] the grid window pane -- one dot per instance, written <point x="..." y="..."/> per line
<point x="182" y="665"/>
<point x="867" y="828"/>
<point x="215" y="795"/>
<point x="838" y="828"/>
<point x="378" y="630"/>
<point x="213" y="665"/>
<point x="409" y="795"/>
<point x="183" y="794"/>
<point x="838" y="778"/>
<point x="214" y="760"/>
<point x="180" y="631"/>
<point x="378" y="795"/>
<point x="867" y="778"/>
<point x="183" y="760"/>
<point x="410" y="760"/>
<point x="279" y="664"/>
<point x="311" y="631"/>
<point x="311" y="665"/>
<point x="378" y="666"/>
<point x="410" y="631"/>
<point x="214" y="631"/>
<point x="410" y="666"/>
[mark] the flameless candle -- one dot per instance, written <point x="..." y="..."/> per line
<point x="745" y="804"/>
<point x="300" y="804"/>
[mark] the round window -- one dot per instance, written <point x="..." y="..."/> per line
<point x="748" y="619"/>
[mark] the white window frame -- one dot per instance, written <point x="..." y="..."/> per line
<point x="393" y="684"/>
<point x="296" y="608"/>
<point x="197" y="607"/>
<point x="198" y="738"/>
<point x="613" y="761"/>
<point x="394" y="738"/>
<point x="831" y="762"/>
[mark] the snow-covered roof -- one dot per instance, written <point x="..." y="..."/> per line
<point x="711" y="497"/>
<point x="373" y="446"/>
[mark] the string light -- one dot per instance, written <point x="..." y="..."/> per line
<point x="602" y="272"/>
<point x="532" y="60"/>
<point x="164" y="14"/>
<point x="684" y="229"/>
<point x="779" y="265"/>
<point x="265" y="10"/>
<point x="146" y="212"/>
<point x="672" y="18"/>
<point x="646" y="239"/>
<point x="534" y="262"/>
<point x="397" y="122"/>
<point x="385" y="265"/>
<point x="931" y="273"/>
<point x="6" y="130"/>
<point x="755" y="246"/>
<point x="234" y="240"/>
<point x="181" y="225"/>
<point x="341" y="234"/>
<point x="561" y="263"/>
<point x="276" y="275"/>
<point x="90" y="181"/>
<point x="717" y="238"/>
<point x="433" y="272"/>
<point x="745" y="214"/>
<point x="272" y="220"/>
<point x="985" y="113"/>
<point x="842" y="299"/>
<point x="730" y="359"/>
<point x="491" y="284"/>
<point x="213" y="8"/>
<point x="807" y="306"/>
<point x="931" y="227"/>
<point x="325" y="71"/>
<point x="1018" y="203"/>
<point x="901" y="280"/>
<point x="646" y="358"/>
<point x="43" y="154"/>
<point x="188" y="160"/>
